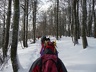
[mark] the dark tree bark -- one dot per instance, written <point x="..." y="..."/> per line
<point x="3" y="34"/>
<point x="57" y="22"/>
<point x="84" y="19"/>
<point x="25" y="24"/>
<point x="60" y="25"/>
<point x="75" y="22"/>
<point x="6" y="40"/>
<point x="55" y="19"/>
<point x="34" y="19"/>
<point x="23" y="35"/>
<point x="72" y="25"/>
<point x="14" y="59"/>
<point x="89" y="30"/>
<point x="69" y="17"/>
<point x="26" y="39"/>
<point x="78" y="24"/>
<point x="94" y="15"/>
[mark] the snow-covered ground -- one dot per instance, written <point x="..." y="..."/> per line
<point x="75" y="58"/>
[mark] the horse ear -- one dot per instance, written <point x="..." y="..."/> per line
<point x="54" y="42"/>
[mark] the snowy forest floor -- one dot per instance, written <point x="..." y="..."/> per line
<point x="75" y="58"/>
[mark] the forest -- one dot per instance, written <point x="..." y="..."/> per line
<point x="23" y="20"/>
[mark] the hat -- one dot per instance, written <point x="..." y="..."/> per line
<point x="43" y="38"/>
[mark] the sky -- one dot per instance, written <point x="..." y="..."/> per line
<point x="75" y="58"/>
<point x="45" y="5"/>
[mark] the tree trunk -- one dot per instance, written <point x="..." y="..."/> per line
<point x="60" y="25"/>
<point x="75" y="22"/>
<point x="24" y="28"/>
<point x="6" y="40"/>
<point x="14" y="59"/>
<point x="78" y="24"/>
<point x="57" y="18"/>
<point x="26" y="23"/>
<point x="94" y="32"/>
<point x="89" y="30"/>
<point x="69" y="17"/>
<point x="84" y="19"/>
<point x="34" y="20"/>
<point x="72" y="25"/>
<point x="3" y="34"/>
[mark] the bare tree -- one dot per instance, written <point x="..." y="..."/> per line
<point x="84" y="19"/>
<point x="75" y="22"/>
<point x="94" y="15"/>
<point x="6" y="40"/>
<point x="89" y="29"/>
<point x="57" y="18"/>
<point x="25" y="23"/>
<point x="14" y="56"/>
<point x="78" y="22"/>
<point x="34" y="19"/>
<point x="3" y="33"/>
<point x="69" y="13"/>
<point x="26" y="36"/>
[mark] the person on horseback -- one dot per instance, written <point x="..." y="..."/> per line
<point x="46" y="45"/>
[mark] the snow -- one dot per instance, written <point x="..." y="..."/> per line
<point x="75" y="58"/>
